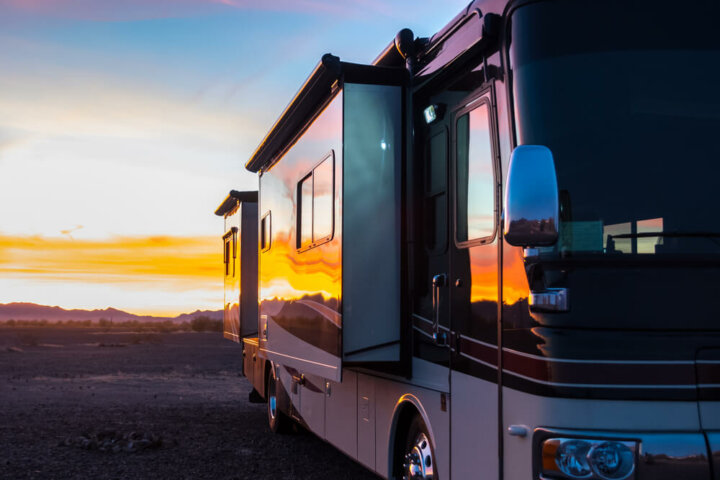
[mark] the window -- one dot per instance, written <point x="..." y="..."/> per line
<point x="226" y="254"/>
<point x="230" y="250"/>
<point x="305" y="191"/>
<point x="315" y="205"/>
<point x="475" y="177"/>
<point x="266" y="232"/>
<point x="234" y="248"/>
<point x="436" y="193"/>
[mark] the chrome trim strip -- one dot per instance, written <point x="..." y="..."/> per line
<point x="476" y="360"/>
<point x="598" y="385"/>
<point x="607" y="362"/>
<point x="298" y="359"/>
<point x="423" y="332"/>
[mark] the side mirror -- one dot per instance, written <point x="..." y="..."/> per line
<point x="531" y="198"/>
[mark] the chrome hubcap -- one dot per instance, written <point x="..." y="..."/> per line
<point x="418" y="461"/>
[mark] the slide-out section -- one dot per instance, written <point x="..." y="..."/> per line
<point x="329" y="222"/>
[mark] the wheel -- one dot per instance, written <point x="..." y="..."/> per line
<point x="418" y="456"/>
<point x="277" y="420"/>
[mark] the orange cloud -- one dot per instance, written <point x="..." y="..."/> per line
<point x="185" y="262"/>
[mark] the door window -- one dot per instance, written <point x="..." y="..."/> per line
<point x="475" y="177"/>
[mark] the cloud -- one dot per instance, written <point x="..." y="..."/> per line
<point x="111" y="11"/>
<point x="133" y="10"/>
<point x="159" y="275"/>
<point x="69" y="231"/>
<point x="185" y="263"/>
<point x="99" y="107"/>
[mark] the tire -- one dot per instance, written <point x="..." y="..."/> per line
<point x="277" y="420"/>
<point x="417" y="458"/>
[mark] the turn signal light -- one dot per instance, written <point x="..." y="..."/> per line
<point x="575" y="458"/>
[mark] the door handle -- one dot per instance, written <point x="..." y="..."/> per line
<point x="437" y="282"/>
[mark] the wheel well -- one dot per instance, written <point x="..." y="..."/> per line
<point x="266" y="381"/>
<point x="405" y="415"/>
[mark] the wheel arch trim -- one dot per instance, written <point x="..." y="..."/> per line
<point x="407" y="400"/>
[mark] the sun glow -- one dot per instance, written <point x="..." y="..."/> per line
<point x="184" y="273"/>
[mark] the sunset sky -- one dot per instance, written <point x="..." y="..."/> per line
<point x="124" y="123"/>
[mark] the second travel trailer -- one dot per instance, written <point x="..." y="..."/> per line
<point x="484" y="256"/>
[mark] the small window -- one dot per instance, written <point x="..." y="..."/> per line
<point x="226" y="255"/>
<point x="266" y="232"/>
<point x="475" y="177"/>
<point x="305" y="189"/>
<point x="234" y="248"/>
<point x="315" y="209"/>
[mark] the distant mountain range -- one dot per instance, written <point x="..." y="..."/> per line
<point x="32" y="311"/>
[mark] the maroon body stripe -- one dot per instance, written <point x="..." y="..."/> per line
<point x="605" y="372"/>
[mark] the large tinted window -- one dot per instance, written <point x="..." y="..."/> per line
<point x="475" y="187"/>
<point x="627" y="97"/>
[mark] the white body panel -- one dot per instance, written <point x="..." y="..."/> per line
<point x="312" y="404"/>
<point x="602" y="415"/>
<point x="366" y="420"/>
<point x="473" y="426"/>
<point x="341" y="419"/>
<point x="359" y="413"/>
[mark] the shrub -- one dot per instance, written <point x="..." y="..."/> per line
<point x="206" y="324"/>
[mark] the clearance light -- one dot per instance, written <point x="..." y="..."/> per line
<point x="573" y="458"/>
<point x="431" y="113"/>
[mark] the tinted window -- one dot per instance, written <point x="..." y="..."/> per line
<point x="305" y="207"/>
<point x="323" y="200"/>
<point x="226" y="256"/>
<point x="265" y="232"/>
<point x="475" y="176"/>
<point x="315" y="200"/>
<point x="634" y="140"/>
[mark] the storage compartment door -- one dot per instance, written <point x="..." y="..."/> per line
<point x="372" y="152"/>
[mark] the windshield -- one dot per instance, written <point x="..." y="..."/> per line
<point x="627" y="97"/>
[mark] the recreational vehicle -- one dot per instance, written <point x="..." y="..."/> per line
<point x="494" y="252"/>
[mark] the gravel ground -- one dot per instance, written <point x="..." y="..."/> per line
<point x="83" y="403"/>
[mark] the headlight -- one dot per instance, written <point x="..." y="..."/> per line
<point x="571" y="458"/>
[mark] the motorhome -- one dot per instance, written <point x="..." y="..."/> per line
<point x="493" y="252"/>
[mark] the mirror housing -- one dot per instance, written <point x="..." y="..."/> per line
<point x="531" y="198"/>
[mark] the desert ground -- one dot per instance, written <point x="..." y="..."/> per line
<point x="108" y="404"/>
